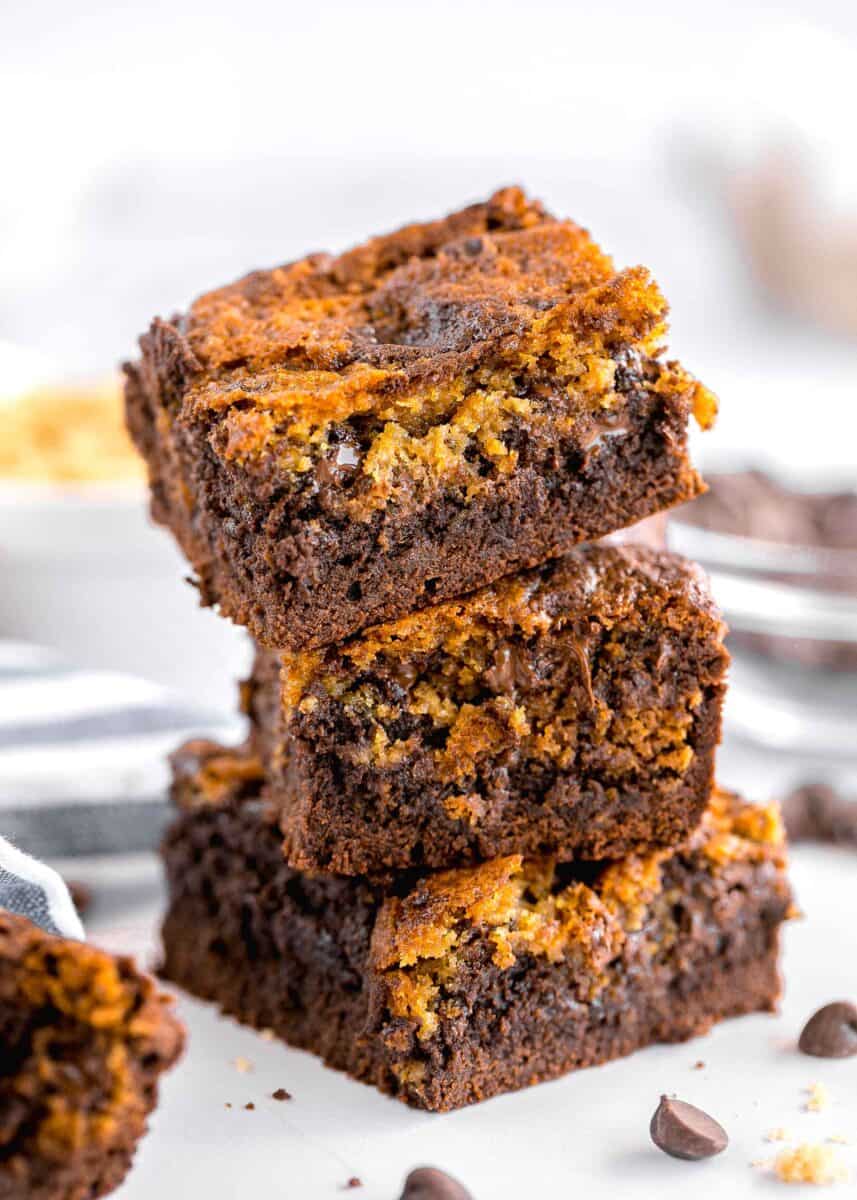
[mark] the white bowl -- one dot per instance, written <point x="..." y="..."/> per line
<point x="85" y="571"/>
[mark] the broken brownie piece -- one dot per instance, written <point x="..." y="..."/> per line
<point x="450" y="988"/>
<point x="573" y="709"/>
<point x="341" y="441"/>
<point x="84" y="1039"/>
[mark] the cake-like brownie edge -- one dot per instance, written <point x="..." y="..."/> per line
<point x="85" y="1037"/>
<point x="446" y="989"/>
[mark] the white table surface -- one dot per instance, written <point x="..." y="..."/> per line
<point x="587" y="1130"/>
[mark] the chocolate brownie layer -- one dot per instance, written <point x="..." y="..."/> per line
<point x="84" y="1037"/>
<point x="573" y="710"/>
<point x="342" y="441"/>
<point x="450" y="988"/>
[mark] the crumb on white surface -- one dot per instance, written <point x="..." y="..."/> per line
<point x="242" y="1065"/>
<point x="818" y="1098"/>
<point x="809" y="1163"/>
<point x="777" y="1135"/>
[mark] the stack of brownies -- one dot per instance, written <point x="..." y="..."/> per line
<point x="474" y="840"/>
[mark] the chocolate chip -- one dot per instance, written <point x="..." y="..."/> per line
<point x="81" y="896"/>
<point x="501" y="676"/>
<point x="403" y="672"/>
<point x="508" y="672"/>
<point x="831" y="1032"/>
<point x="428" y="1183"/>
<point x="816" y="812"/>
<point x="281" y="1094"/>
<point x="683" y="1131"/>
<point x="250" y="1106"/>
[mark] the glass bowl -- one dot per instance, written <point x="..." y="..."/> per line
<point x="792" y="614"/>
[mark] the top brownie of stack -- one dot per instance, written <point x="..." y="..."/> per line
<point x="342" y="441"/>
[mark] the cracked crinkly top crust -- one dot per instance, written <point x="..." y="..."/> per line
<point x="406" y="359"/>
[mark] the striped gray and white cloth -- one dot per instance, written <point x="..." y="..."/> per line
<point x="83" y="754"/>
<point x="35" y="891"/>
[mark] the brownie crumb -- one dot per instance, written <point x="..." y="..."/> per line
<point x="818" y="1098"/>
<point x="281" y="1094"/>
<point x="81" y="896"/>
<point x="250" y="1106"/>
<point x="353" y="1182"/>
<point x="777" y="1135"/>
<point x="699" y="1065"/>
<point x="809" y="1164"/>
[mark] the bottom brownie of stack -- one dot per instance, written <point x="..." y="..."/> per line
<point x="447" y="988"/>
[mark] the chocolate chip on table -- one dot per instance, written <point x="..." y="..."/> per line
<point x="683" y="1131"/>
<point x="81" y="896"/>
<point x="428" y="1183"/>
<point x="281" y="1094"/>
<point x="817" y="812"/>
<point x="831" y="1032"/>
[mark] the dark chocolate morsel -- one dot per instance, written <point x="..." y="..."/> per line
<point x="817" y="812"/>
<point x="501" y="676"/>
<point x="683" y="1131"/>
<point x="831" y="1032"/>
<point x="428" y="1183"/>
<point x="81" y="896"/>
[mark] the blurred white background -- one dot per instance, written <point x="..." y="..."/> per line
<point x="152" y="151"/>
